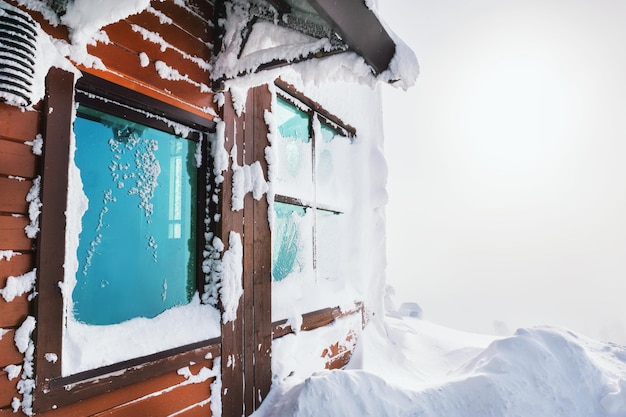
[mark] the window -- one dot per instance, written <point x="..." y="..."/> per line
<point x="136" y="249"/>
<point x="122" y="234"/>
<point x="312" y="192"/>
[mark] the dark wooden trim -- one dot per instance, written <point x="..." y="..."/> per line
<point x="304" y="203"/>
<point x="292" y="91"/>
<point x="232" y="332"/>
<point x="249" y="296"/>
<point x="360" y="29"/>
<point x="95" y="85"/>
<point x="57" y="119"/>
<point x="67" y="390"/>
<point x="262" y="272"/>
<point x="315" y="320"/>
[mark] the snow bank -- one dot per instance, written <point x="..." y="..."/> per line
<point x="412" y="367"/>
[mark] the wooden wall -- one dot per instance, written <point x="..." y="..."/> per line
<point x="18" y="168"/>
<point x="188" y="38"/>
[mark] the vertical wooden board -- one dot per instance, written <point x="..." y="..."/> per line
<point x="13" y="195"/>
<point x="18" y="264"/>
<point x="18" y="125"/>
<point x="12" y="234"/>
<point x="17" y="159"/>
<point x="8" y="389"/>
<point x="51" y="241"/>
<point x="232" y="332"/>
<point x="262" y="255"/>
<point x="15" y="312"/>
<point x="9" y="355"/>
<point x="249" y="297"/>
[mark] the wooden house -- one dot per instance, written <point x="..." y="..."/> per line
<point x="167" y="187"/>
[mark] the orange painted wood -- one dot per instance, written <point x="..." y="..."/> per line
<point x="13" y="195"/>
<point x="17" y="159"/>
<point x="172" y="34"/>
<point x="9" y="355"/>
<point x="13" y="313"/>
<point x="197" y="24"/>
<point x="163" y="404"/>
<point x="16" y="266"/>
<point x="199" y="410"/>
<point x="123" y="35"/>
<point x="127" y="66"/>
<point x="18" y="125"/>
<point x="8" y="412"/>
<point x="143" y="88"/>
<point x="114" y="399"/>
<point x="8" y="389"/>
<point x="12" y="235"/>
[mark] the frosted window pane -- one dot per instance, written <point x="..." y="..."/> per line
<point x="294" y="151"/>
<point x="137" y="246"/>
<point x="287" y="240"/>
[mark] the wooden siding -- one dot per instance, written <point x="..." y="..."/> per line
<point x="186" y="42"/>
<point x="159" y="396"/>
<point x="248" y="337"/>
<point x="18" y="166"/>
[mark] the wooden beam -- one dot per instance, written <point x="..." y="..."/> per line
<point x="51" y="247"/>
<point x="360" y="29"/>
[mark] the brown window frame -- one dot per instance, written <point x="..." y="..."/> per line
<point x="53" y="390"/>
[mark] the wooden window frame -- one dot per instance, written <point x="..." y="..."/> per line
<point x="53" y="390"/>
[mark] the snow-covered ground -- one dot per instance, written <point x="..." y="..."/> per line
<point x="406" y="366"/>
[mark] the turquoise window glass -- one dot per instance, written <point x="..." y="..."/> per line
<point x="137" y="245"/>
<point x="286" y="240"/>
<point x="292" y="122"/>
<point x="328" y="133"/>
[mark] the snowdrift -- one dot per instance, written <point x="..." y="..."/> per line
<point x="412" y="368"/>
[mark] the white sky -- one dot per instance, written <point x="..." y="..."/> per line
<point x="507" y="164"/>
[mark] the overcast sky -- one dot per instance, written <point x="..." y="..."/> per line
<point x="508" y="164"/>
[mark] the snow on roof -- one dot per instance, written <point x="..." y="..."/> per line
<point x="258" y="36"/>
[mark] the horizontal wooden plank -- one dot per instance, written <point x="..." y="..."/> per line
<point x="13" y="313"/>
<point x="8" y="389"/>
<point x="17" y="159"/>
<point x="113" y="399"/>
<point x="9" y="355"/>
<point x="17" y="265"/>
<point x="198" y="24"/>
<point x="12" y="234"/>
<point x="18" y="125"/>
<point x="315" y="319"/>
<point x="339" y="361"/>
<point x="202" y="409"/>
<point x="126" y="63"/>
<point x="123" y="35"/>
<point x="171" y="33"/>
<point x="165" y="403"/>
<point x="13" y="195"/>
<point x="8" y="412"/>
